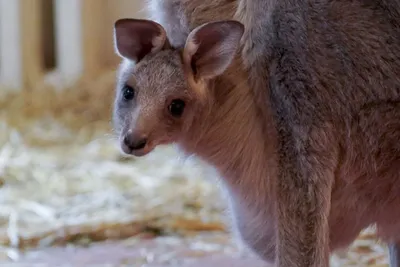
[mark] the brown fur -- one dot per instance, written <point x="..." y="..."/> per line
<point x="308" y="147"/>
<point x="332" y="72"/>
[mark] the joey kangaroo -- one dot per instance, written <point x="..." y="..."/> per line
<point x="305" y="134"/>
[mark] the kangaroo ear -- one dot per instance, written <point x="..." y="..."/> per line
<point x="136" y="38"/>
<point x="211" y="47"/>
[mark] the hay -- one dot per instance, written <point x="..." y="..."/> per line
<point x="63" y="180"/>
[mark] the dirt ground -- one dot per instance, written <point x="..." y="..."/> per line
<point x="158" y="252"/>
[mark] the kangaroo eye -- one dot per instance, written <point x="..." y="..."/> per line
<point x="128" y="93"/>
<point x="176" y="107"/>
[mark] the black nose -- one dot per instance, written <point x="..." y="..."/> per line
<point x="134" y="143"/>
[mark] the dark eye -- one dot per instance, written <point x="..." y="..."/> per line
<point x="128" y="93"/>
<point x="176" y="107"/>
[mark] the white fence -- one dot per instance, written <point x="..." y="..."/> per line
<point x="58" y="41"/>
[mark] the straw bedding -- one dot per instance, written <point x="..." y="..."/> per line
<point x="64" y="181"/>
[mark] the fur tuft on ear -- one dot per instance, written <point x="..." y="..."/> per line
<point x="136" y="38"/>
<point x="211" y="47"/>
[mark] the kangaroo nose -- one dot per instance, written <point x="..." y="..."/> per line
<point x="135" y="143"/>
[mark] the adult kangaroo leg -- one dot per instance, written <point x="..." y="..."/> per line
<point x="394" y="254"/>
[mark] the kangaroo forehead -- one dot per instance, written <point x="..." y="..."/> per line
<point x="160" y="69"/>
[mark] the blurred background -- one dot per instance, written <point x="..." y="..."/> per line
<point x="67" y="196"/>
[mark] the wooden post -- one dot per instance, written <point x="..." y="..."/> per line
<point x="31" y="42"/>
<point x="10" y="44"/>
<point x="93" y="36"/>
